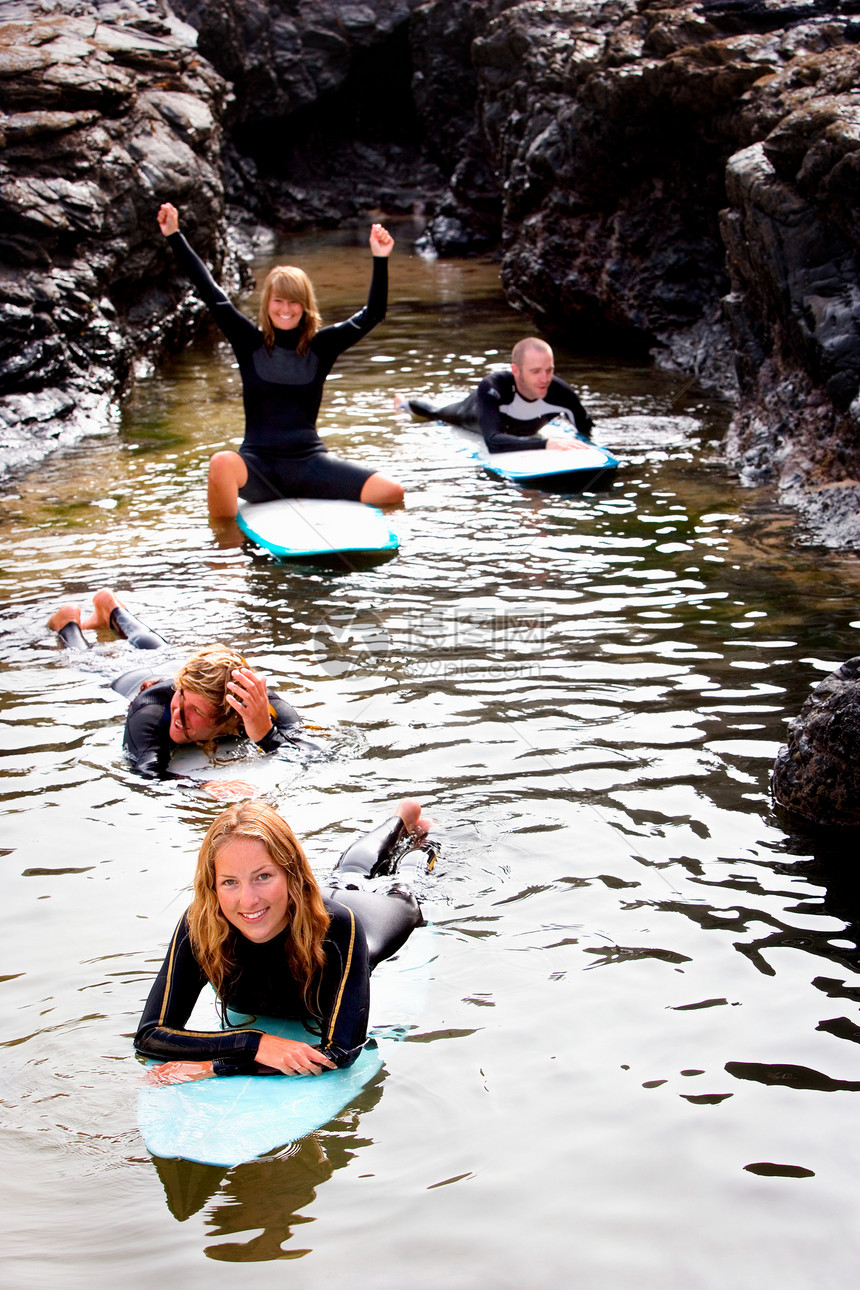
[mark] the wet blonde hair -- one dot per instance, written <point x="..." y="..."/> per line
<point x="212" y="935"/>
<point x="206" y="673"/>
<point x="290" y="283"/>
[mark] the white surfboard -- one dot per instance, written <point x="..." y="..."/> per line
<point x="583" y="463"/>
<point x="315" y="528"/>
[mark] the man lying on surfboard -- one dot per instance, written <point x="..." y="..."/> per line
<point x="271" y="943"/>
<point x="214" y="694"/>
<point x="509" y="408"/>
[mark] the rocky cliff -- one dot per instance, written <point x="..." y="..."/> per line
<point x="683" y="178"/>
<point x="668" y="177"/>
<point x="106" y="111"/>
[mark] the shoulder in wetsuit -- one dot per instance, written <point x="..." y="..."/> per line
<point x="262" y="984"/>
<point x="147" y="741"/>
<point x="508" y="421"/>
<point x="282" y="390"/>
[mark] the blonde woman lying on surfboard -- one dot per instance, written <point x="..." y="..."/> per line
<point x="271" y="943"/>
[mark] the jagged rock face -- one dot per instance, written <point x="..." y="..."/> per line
<point x="634" y="144"/>
<point x="322" y="124"/>
<point x="817" y="774"/>
<point x="107" y="111"/>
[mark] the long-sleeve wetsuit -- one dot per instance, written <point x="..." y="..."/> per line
<point x="508" y="421"/>
<point x="262" y="985"/>
<point x="282" y="390"/>
<point x="147" y="741"/>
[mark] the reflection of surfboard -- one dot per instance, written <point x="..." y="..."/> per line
<point x="313" y="528"/>
<point x="228" y="1120"/>
<point x="554" y="471"/>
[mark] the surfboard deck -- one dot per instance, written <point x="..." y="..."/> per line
<point x="228" y="1120"/>
<point x="582" y="464"/>
<point x="233" y="761"/>
<point x="316" y="528"/>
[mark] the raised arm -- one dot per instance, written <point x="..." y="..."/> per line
<point x="236" y="327"/>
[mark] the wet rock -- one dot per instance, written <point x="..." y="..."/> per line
<point x="107" y="110"/>
<point x="323" y="127"/>
<point x="684" y="179"/>
<point x="817" y="774"/>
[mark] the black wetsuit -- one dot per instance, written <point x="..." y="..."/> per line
<point x="147" y="741"/>
<point x="262" y="984"/>
<point x="509" y="422"/>
<point x="282" y="391"/>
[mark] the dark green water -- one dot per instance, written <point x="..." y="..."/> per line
<point x="627" y="948"/>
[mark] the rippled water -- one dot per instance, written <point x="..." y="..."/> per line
<point x="634" y="1058"/>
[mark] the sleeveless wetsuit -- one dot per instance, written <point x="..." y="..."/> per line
<point x="509" y="422"/>
<point x="282" y="391"/>
<point x="262" y="984"/>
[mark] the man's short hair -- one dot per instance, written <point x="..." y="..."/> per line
<point x="522" y="347"/>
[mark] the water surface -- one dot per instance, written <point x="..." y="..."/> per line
<point x="634" y="1058"/>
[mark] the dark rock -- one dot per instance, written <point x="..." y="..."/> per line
<point x="681" y="178"/>
<point x="107" y="110"/>
<point x="817" y="774"/>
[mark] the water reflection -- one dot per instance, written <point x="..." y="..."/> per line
<point x="265" y="1196"/>
<point x="634" y="951"/>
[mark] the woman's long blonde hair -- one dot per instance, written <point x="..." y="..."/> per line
<point x="207" y="673"/>
<point x="290" y="283"/>
<point x="307" y="920"/>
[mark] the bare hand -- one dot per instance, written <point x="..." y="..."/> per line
<point x="381" y="241"/>
<point x="292" y="1057"/>
<point x="561" y="445"/>
<point x="248" y="695"/>
<point x="168" y="219"/>
<point x="178" y="1072"/>
<point x="227" y="790"/>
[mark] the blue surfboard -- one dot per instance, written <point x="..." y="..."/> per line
<point x="585" y="463"/>
<point x="312" y="528"/>
<point x="229" y="1120"/>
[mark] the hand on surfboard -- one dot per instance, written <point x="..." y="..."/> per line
<point x="560" y="445"/>
<point x="292" y="1057"/>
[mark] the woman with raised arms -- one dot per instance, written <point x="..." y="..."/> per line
<point x="283" y="364"/>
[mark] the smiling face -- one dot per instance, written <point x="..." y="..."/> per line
<point x="284" y="314"/>
<point x="193" y="719"/>
<point x="535" y="371"/>
<point x="251" y="889"/>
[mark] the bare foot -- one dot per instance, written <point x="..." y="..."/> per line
<point x="104" y="603"/>
<point x="410" y="813"/>
<point x="400" y="403"/>
<point x="64" y="615"/>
